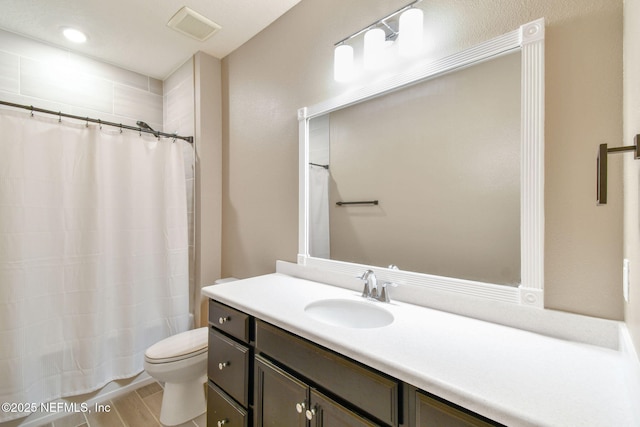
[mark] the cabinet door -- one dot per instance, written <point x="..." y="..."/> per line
<point x="328" y="413"/>
<point x="433" y="413"/>
<point x="280" y="398"/>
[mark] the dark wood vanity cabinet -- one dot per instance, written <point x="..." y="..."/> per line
<point x="368" y="392"/>
<point x="230" y="365"/>
<point x="284" y="400"/>
<point x="263" y="376"/>
<point x="430" y="411"/>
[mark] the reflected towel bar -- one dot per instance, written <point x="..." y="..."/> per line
<point x="603" y="151"/>
<point x="369" y="202"/>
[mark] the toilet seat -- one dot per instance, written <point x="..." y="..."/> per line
<point x="178" y="347"/>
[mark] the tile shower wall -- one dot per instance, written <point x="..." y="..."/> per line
<point x="179" y="117"/>
<point x="37" y="74"/>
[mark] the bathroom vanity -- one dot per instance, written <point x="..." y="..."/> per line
<point x="274" y="362"/>
<point x="262" y="375"/>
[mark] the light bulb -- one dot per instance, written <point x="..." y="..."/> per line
<point x="343" y="63"/>
<point x="74" y="35"/>
<point x="410" y="29"/>
<point x="373" y="48"/>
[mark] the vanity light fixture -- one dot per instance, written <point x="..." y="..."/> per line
<point x="74" y="35"/>
<point x="377" y="37"/>
<point x="410" y="29"/>
<point x="343" y="68"/>
<point x="374" y="44"/>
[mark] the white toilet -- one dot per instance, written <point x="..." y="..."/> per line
<point x="180" y="361"/>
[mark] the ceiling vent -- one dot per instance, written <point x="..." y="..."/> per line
<point x="193" y="24"/>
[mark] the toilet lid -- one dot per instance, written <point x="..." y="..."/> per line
<point x="179" y="346"/>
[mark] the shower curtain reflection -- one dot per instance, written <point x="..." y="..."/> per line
<point x="93" y="255"/>
<point x="319" y="212"/>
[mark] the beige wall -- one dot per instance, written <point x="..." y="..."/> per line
<point x="632" y="166"/>
<point x="207" y="72"/>
<point x="289" y="65"/>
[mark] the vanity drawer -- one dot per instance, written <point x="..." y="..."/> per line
<point x="222" y="409"/>
<point x="369" y="390"/>
<point x="229" y="320"/>
<point x="229" y="364"/>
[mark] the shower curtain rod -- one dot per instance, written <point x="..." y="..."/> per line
<point x="156" y="133"/>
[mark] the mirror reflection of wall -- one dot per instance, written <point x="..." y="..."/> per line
<point x="443" y="159"/>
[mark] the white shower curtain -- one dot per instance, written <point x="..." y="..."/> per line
<point x="93" y="255"/>
<point x="319" y="240"/>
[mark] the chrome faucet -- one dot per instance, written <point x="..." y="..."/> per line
<point x="370" y="289"/>
<point x="370" y="284"/>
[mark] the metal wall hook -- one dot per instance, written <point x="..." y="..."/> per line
<point x="603" y="151"/>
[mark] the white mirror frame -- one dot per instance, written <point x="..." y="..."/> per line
<point x="529" y="39"/>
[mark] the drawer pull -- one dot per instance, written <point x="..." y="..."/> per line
<point x="223" y="320"/>
<point x="300" y="407"/>
<point x="310" y="413"/>
<point x="222" y="422"/>
<point x="223" y="365"/>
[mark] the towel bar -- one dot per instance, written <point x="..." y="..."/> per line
<point x="369" y="202"/>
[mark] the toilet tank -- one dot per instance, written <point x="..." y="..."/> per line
<point x="225" y="280"/>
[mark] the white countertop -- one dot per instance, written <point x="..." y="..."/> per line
<point x="512" y="376"/>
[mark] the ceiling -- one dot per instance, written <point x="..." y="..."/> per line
<point x="133" y="34"/>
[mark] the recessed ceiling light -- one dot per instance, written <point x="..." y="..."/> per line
<point x="74" y="35"/>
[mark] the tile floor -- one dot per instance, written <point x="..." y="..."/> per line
<point x="139" y="408"/>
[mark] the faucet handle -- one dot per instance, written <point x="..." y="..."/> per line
<point x="384" y="294"/>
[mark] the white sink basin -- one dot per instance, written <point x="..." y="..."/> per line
<point x="349" y="313"/>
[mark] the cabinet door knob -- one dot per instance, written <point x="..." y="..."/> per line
<point x="223" y="365"/>
<point x="222" y="422"/>
<point x="310" y="413"/>
<point x="223" y="320"/>
<point x="300" y="407"/>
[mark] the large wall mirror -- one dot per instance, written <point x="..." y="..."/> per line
<point x="437" y="170"/>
